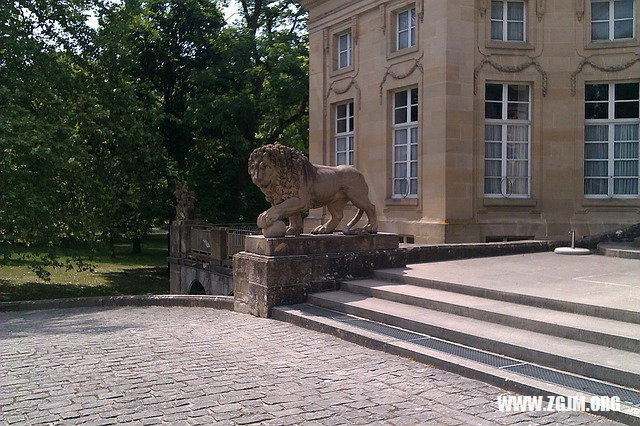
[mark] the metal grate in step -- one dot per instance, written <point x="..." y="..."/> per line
<point x="583" y="384"/>
<point x="594" y="387"/>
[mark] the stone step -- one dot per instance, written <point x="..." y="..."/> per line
<point x="419" y="278"/>
<point x="510" y="374"/>
<point x="624" y="250"/>
<point x="600" y="331"/>
<point x="599" y="362"/>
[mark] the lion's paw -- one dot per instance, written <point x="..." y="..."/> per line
<point x="292" y="230"/>
<point x="322" y="229"/>
<point x="370" y="228"/>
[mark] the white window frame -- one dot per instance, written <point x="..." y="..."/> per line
<point x="408" y="125"/>
<point x="411" y="28"/>
<point x="505" y="21"/>
<point x="611" y="122"/>
<point x="348" y="135"/>
<point x="612" y="20"/>
<point x="503" y="123"/>
<point x="348" y="50"/>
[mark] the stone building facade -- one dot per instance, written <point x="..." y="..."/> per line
<point x="480" y="120"/>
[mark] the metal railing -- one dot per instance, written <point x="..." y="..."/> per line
<point x="218" y="243"/>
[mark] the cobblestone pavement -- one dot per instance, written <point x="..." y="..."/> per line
<point x="203" y="366"/>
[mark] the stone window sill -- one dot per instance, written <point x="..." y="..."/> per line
<point x="401" y="201"/>
<point x="611" y="44"/>
<point x="341" y="71"/>
<point x="611" y="202"/>
<point x="402" y="52"/>
<point x="513" y="45"/>
<point x="509" y="202"/>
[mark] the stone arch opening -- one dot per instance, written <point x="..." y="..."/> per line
<point x="197" y="288"/>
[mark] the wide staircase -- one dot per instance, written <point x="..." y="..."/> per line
<point x="529" y="344"/>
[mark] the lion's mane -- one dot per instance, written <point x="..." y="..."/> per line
<point x="291" y="166"/>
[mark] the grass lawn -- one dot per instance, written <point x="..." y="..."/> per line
<point x="127" y="273"/>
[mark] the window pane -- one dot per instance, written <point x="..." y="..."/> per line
<point x="594" y="111"/>
<point x="600" y="31"/>
<point x="596" y="186"/>
<point x="493" y="110"/>
<point x="623" y="9"/>
<point x="626" y="150"/>
<point x="414" y="96"/>
<point x="625" y="168"/>
<point x="414" y="152"/>
<point x="414" y="135"/>
<point x="492" y="186"/>
<point x="401" y="99"/>
<point x="496" y="10"/>
<point x="496" y="30"/>
<point x="414" y="113"/>
<point x="401" y="115"/>
<point x="412" y="39"/>
<point x="518" y="92"/>
<point x="596" y="151"/>
<point x="518" y="133"/>
<point x="413" y="17"/>
<point x="414" y="169"/>
<point x="626" y="109"/>
<point x="493" y="92"/>
<point x="517" y="168"/>
<point x="400" y="186"/>
<point x="493" y="132"/>
<point x="350" y="141"/>
<point x="350" y="160"/>
<point x="401" y="138"/>
<point x="414" y="186"/>
<point x="599" y="10"/>
<point x="403" y="40"/>
<point x="344" y="42"/>
<point x="596" y="92"/>
<point x="517" y="151"/>
<point x="344" y="60"/>
<point x="517" y="111"/>
<point x="515" y="31"/>
<point x="596" y="133"/>
<point x="625" y="186"/>
<point x="518" y="186"/>
<point x="341" y="159"/>
<point x="623" y="29"/>
<point x="626" y="132"/>
<point x="403" y="20"/>
<point x="596" y="168"/>
<point x="493" y="150"/>
<point x="400" y="170"/>
<point x="626" y="91"/>
<point x="342" y="110"/>
<point x="515" y="11"/>
<point x="492" y="168"/>
<point x="342" y="126"/>
<point x="350" y="129"/>
<point x="342" y="144"/>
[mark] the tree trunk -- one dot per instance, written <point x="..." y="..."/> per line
<point x="137" y="245"/>
<point x="621" y="234"/>
<point x="111" y="244"/>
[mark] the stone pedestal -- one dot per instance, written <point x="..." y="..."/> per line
<point x="281" y="271"/>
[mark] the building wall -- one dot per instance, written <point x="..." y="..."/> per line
<point x="452" y="60"/>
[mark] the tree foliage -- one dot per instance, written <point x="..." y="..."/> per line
<point x="97" y="123"/>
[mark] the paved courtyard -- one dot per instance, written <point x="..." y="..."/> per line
<point x="202" y="366"/>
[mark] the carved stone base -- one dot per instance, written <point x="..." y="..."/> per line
<point x="281" y="271"/>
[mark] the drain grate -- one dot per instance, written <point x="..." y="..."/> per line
<point x="396" y="333"/>
<point x="586" y="385"/>
<point x="466" y="352"/>
<point x="579" y="383"/>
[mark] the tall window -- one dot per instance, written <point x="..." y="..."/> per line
<point x="406" y="29"/>
<point x="344" y="50"/>
<point x="405" y="144"/>
<point x="611" y="140"/>
<point x="507" y="140"/>
<point x="507" y="20"/>
<point x="612" y="20"/>
<point x="344" y="134"/>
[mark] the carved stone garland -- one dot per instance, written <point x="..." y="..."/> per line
<point x="417" y="65"/>
<point x="352" y="83"/>
<point x="604" y="68"/>
<point x="511" y="69"/>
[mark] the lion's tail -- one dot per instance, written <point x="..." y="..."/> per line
<point x="355" y="219"/>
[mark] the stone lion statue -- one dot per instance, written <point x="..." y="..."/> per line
<point x="185" y="202"/>
<point x="292" y="184"/>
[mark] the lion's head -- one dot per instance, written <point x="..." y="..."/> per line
<point x="278" y="170"/>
